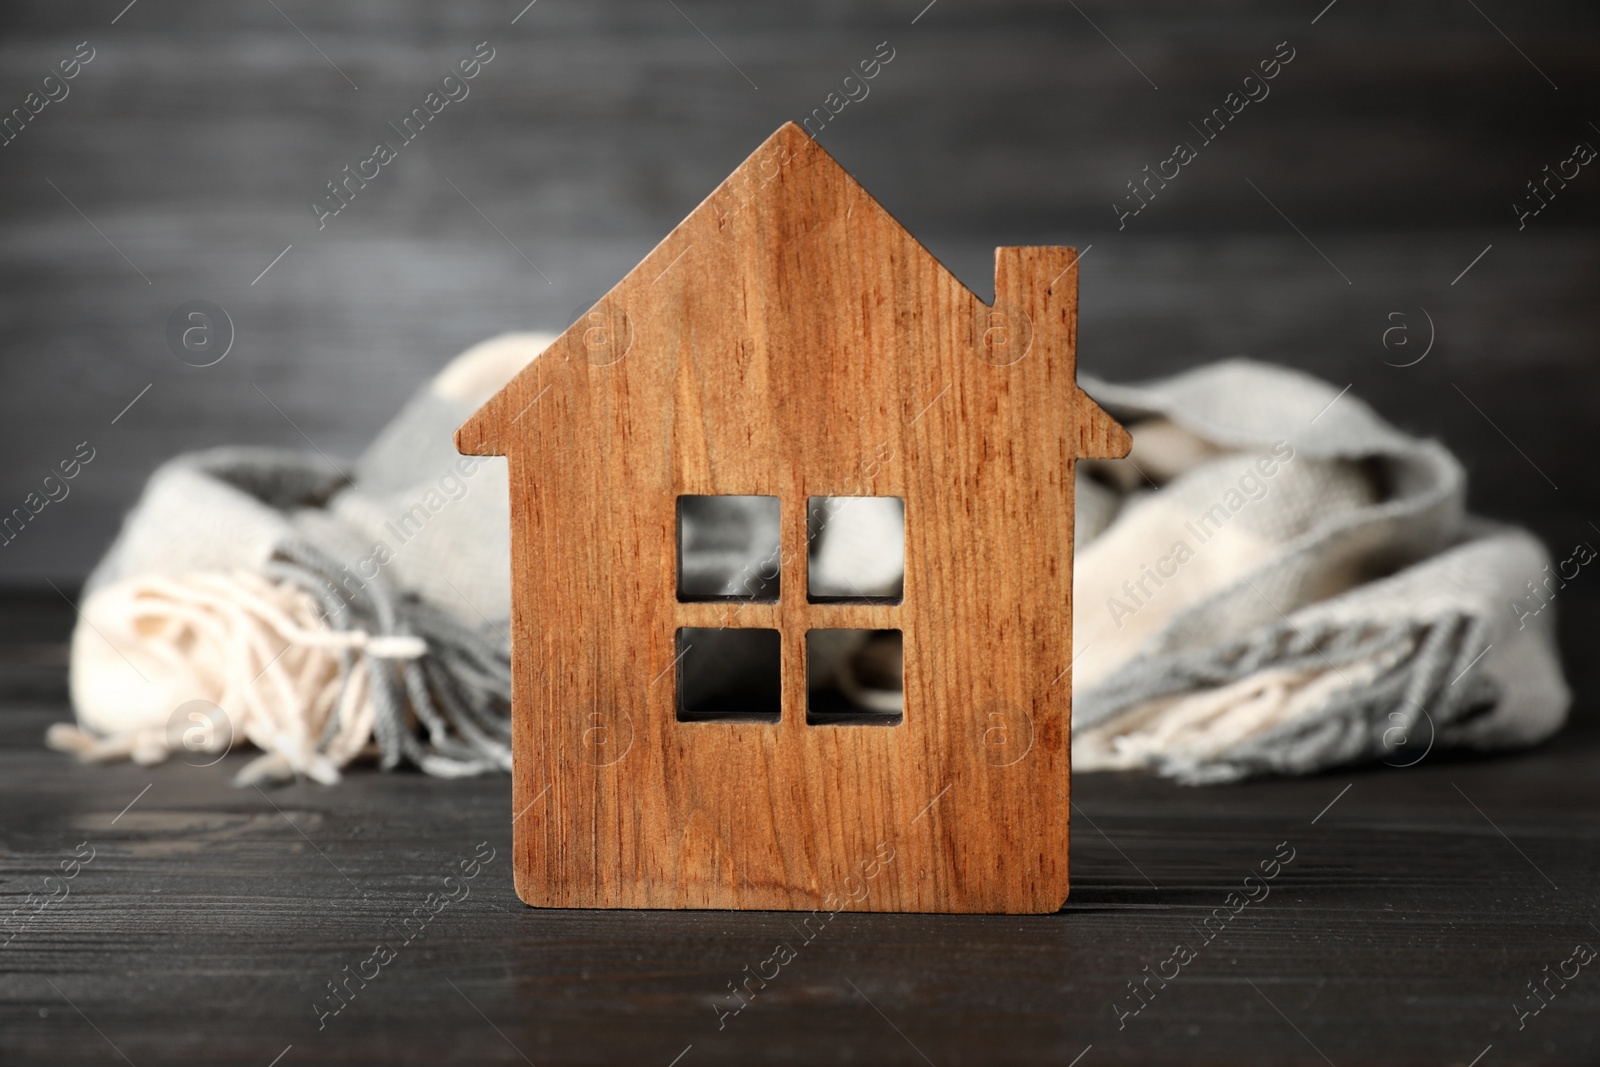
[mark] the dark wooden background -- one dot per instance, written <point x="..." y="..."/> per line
<point x="1396" y="142"/>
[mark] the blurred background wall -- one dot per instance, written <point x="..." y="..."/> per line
<point x="185" y="156"/>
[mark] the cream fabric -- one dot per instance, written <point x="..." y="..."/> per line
<point x="1274" y="581"/>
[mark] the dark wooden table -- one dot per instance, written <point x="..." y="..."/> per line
<point x="207" y="926"/>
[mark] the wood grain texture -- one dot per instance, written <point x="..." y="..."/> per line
<point x="791" y="339"/>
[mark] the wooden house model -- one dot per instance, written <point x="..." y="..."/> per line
<point x="789" y="340"/>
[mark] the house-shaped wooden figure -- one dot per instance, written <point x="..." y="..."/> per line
<point x="790" y="340"/>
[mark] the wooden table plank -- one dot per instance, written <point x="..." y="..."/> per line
<point x="211" y="920"/>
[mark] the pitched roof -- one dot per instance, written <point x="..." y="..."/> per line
<point x="752" y="184"/>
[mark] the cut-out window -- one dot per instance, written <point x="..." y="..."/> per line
<point x="855" y="677"/>
<point x="729" y="675"/>
<point x="728" y="548"/>
<point x="856" y="548"/>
